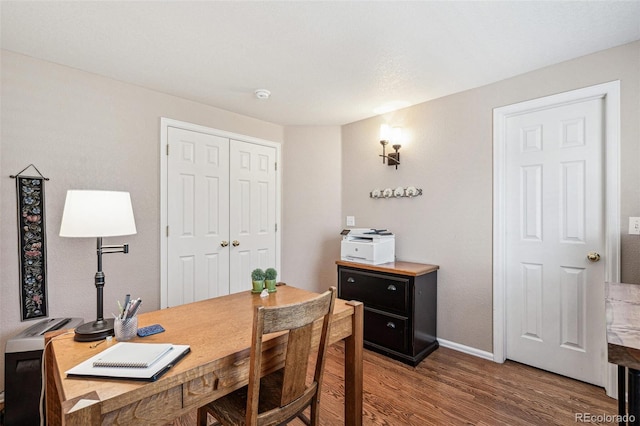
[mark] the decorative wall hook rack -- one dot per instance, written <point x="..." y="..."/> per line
<point x="409" y="191"/>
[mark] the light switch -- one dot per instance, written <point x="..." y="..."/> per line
<point x="634" y="226"/>
<point x="351" y="221"/>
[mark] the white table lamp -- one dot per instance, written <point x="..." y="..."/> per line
<point x="98" y="214"/>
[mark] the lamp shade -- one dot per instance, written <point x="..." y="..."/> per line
<point x="391" y="134"/>
<point x="97" y="214"/>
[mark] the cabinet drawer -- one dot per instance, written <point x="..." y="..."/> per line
<point x="375" y="290"/>
<point x="389" y="331"/>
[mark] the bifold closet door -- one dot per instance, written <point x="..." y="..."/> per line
<point x="221" y="214"/>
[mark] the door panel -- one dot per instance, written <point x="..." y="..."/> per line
<point x="573" y="285"/>
<point x="532" y="283"/>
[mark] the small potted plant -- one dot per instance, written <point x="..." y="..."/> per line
<point x="257" y="276"/>
<point x="270" y="279"/>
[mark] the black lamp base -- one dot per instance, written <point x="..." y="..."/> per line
<point x="92" y="331"/>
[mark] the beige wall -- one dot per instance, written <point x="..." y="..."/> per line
<point x="311" y="216"/>
<point x="84" y="131"/>
<point x="449" y="156"/>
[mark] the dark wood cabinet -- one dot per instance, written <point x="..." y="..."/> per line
<point x="400" y="301"/>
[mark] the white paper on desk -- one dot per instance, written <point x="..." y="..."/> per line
<point x="151" y="373"/>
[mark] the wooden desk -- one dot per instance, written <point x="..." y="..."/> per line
<point x="622" y="305"/>
<point x="219" y="333"/>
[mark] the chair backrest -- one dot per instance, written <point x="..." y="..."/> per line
<point x="298" y="319"/>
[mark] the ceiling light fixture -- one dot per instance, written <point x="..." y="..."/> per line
<point x="262" y="94"/>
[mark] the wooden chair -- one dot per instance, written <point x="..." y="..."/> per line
<point x="283" y="395"/>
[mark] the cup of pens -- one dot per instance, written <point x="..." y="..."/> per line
<point x="125" y="324"/>
<point x="125" y="328"/>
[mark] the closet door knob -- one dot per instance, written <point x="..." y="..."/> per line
<point x="593" y="256"/>
<point x="224" y="243"/>
<point x="235" y="243"/>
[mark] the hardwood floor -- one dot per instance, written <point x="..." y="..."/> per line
<point x="452" y="388"/>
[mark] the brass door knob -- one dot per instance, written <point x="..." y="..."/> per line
<point x="224" y="243"/>
<point x="235" y="243"/>
<point x="593" y="256"/>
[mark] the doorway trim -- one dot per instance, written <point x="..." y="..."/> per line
<point x="165" y="124"/>
<point x="610" y="93"/>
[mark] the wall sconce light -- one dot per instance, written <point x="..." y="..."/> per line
<point x="393" y="135"/>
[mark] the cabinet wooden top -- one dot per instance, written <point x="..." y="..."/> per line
<point x="401" y="268"/>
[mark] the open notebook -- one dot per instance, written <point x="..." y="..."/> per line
<point x="136" y="361"/>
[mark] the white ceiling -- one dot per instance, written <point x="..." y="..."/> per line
<point x="325" y="63"/>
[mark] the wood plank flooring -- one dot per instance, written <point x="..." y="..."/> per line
<point x="452" y="388"/>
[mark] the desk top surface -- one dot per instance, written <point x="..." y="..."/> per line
<point x="215" y="329"/>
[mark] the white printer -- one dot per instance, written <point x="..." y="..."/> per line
<point x="366" y="245"/>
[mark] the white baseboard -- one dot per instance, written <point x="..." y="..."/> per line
<point x="466" y="349"/>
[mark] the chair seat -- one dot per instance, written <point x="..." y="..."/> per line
<point x="231" y="409"/>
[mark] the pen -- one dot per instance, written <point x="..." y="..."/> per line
<point x="126" y="309"/>
<point x="134" y="308"/>
<point x="135" y="312"/>
<point x="127" y="301"/>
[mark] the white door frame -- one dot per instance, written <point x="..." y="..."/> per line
<point x="610" y="93"/>
<point x="165" y="123"/>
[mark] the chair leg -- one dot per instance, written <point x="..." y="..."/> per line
<point x="202" y="416"/>
<point x="315" y="411"/>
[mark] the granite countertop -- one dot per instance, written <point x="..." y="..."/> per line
<point x="622" y="304"/>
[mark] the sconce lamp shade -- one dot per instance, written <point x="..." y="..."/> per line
<point x="385" y="132"/>
<point x="97" y="214"/>
<point x="391" y="134"/>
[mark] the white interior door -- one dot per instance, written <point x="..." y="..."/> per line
<point x="198" y="216"/>
<point x="554" y="217"/>
<point x="253" y="211"/>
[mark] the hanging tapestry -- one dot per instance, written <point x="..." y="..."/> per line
<point x="32" y="246"/>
